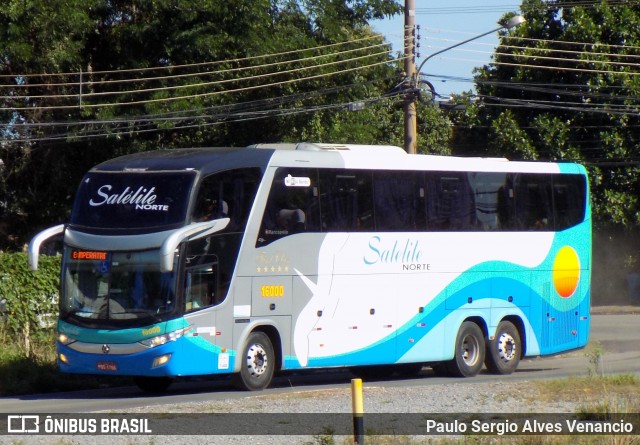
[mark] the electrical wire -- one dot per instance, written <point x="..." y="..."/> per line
<point x="235" y="113"/>
<point x="243" y="117"/>
<point x="93" y="83"/>
<point x="569" y="69"/>
<point x="215" y="93"/>
<point x="200" y="64"/>
<point x="207" y="111"/>
<point x="256" y="114"/>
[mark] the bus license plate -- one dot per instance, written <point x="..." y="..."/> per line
<point x="107" y="366"/>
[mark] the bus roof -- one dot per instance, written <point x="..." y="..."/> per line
<point x="358" y="148"/>
<point x="204" y="160"/>
<point x="386" y="157"/>
<point x="382" y="157"/>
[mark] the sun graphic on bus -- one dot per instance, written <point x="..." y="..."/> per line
<point x="566" y="272"/>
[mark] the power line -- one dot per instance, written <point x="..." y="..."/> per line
<point x="89" y="95"/>
<point x="215" y="93"/>
<point x="192" y="65"/>
<point x="93" y="83"/>
<point x="467" y="9"/>
<point x="509" y="7"/>
<point x="251" y="110"/>
<point x="569" y="69"/>
<point x="206" y="112"/>
<point x="229" y="118"/>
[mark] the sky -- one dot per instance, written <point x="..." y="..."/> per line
<point x="444" y="23"/>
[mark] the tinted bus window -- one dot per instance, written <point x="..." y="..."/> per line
<point x="569" y="193"/>
<point x="346" y="198"/>
<point x="492" y="200"/>
<point x="533" y="202"/>
<point x="399" y="200"/>
<point x="388" y="201"/>
<point x="228" y="194"/>
<point x="450" y="202"/>
<point x="292" y="206"/>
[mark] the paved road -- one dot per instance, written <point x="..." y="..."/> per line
<point x="618" y="335"/>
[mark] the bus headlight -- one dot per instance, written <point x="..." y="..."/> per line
<point x="65" y="339"/>
<point x="165" y="338"/>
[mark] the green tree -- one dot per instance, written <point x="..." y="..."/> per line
<point x="564" y="86"/>
<point x="84" y="81"/>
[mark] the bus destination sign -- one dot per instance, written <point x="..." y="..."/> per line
<point x="88" y="255"/>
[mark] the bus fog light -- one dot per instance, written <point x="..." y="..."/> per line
<point x="161" y="360"/>
<point x="63" y="358"/>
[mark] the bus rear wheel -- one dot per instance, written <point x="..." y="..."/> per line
<point x="469" y="351"/>
<point x="257" y="363"/>
<point x="504" y="351"/>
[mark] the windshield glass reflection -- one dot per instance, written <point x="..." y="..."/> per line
<point x="113" y="286"/>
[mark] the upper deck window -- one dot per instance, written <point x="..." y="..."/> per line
<point x="351" y="200"/>
<point x="132" y="200"/>
<point x="227" y="194"/>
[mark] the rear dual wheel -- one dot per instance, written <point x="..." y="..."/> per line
<point x="504" y="351"/>
<point x="468" y="356"/>
<point x="469" y="351"/>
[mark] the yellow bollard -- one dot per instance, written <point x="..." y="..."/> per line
<point x="357" y="406"/>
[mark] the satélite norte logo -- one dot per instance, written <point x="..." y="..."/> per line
<point x="142" y="198"/>
<point x="406" y="253"/>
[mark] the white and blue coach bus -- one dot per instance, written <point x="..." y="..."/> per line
<point x="249" y="261"/>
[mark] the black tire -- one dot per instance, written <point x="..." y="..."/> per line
<point x="469" y="351"/>
<point x="257" y="363"/>
<point x="505" y="350"/>
<point x="153" y="385"/>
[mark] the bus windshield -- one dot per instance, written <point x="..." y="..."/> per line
<point x="133" y="200"/>
<point x="104" y="287"/>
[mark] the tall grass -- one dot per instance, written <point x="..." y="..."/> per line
<point x="37" y="372"/>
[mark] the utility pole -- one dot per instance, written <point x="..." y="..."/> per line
<point x="410" y="118"/>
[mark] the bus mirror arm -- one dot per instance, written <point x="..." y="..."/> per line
<point x="192" y="231"/>
<point x="36" y="242"/>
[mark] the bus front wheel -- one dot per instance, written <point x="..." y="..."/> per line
<point x="504" y="351"/>
<point x="257" y="363"/>
<point x="469" y="353"/>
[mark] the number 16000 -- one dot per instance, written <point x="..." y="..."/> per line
<point x="272" y="291"/>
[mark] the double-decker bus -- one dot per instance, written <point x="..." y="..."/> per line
<point x="248" y="261"/>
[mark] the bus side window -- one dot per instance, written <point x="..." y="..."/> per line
<point x="227" y="194"/>
<point x="490" y="199"/>
<point x="569" y="200"/>
<point x="450" y="202"/>
<point x="210" y="203"/>
<point x="292" y="206"/>
<point x="397" y="197"/>
<point x="533" y="202"/>
<point x="346" y="200"/>
<point x="201" y="287"/>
